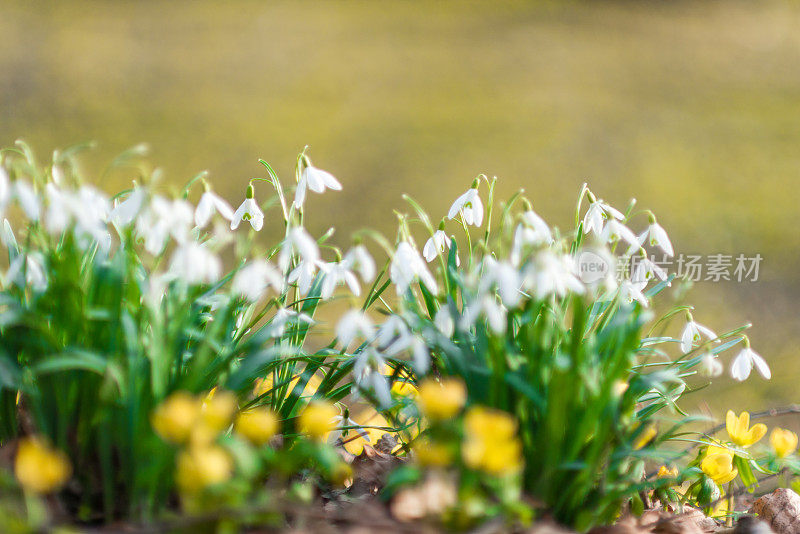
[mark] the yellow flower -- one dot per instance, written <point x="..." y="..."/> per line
<point x="647" y="435"/>
<point x="317" y="420"/>
<point x="357" y="438"/>
<point x="264" y="385"/>
<point x="216" y="414"/>
<point x="443" y="400"/>
<point x="783" y="441"/>
<point x="665" y="472"/>
<point x="257" y="425"/>
<point x="202" y="466"/>
<point x="740" y="431"/>
<point x="40" y="468"/>
<point x="404" y="388"/>
<point x="177" y="416"/>
<point x="432" y="453"/>
<point x="491" y="444"/>
<point x="719" y="465"/>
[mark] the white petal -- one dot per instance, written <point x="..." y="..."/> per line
<point x="761" y="365"/>
<point x="742" y="364"/>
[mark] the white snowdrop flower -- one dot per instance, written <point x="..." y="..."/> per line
<point x="297" y="240"/>
<point x="125" y="212"/>
<point x="316" y="180"/>
<point x="87" y="208"/>
<point x="59" y="209"/>
<point x="632" y="291"/>
<point x="27" y="271"/>
<point x="58" y="174"/>
<point x="435" y="245"/>
<point x="657" y="237"/>
<point x="354" y="324"/>
<point x="28" y="199"/>
<point x="597" y="214"/>
<point x="646" y="270"/>
<point x="710" y="365"/>
<point x="284" y="317"/>
<point x="552" y="274"/>
<point x="5" y="189"/>
<point x="248" y="211"/>
<point x="488" y="307"/>
<point x="161" y="219"/>
<point x="7" y="235"/>
<point x="693" y="333"/>
<point x="336" y="273"/>
<point x="615" y="230"/>
<point x="210" y="203"/>
<point x="193" y="264"/>
<point x="470" y="207"/>
<point x="368" y="376"/>
<point x="744" y="363"/>
<point x="155" y="290"/>
<point x="253" y="280"/>
<point x="420" y="356"/>
<point x="393" y="336"/>
<point x="444" y="321"/>
<point x="407" y="266"/>
<point x="505" y="277"/>
<point x="541" y="231"/>
<point x="303" y="275"/>
<point x="359" y="259"/>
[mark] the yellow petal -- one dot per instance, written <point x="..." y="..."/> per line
<point x="730" y="423"/>
<point x="744" y="423"/>
<point x="757" y="432"/>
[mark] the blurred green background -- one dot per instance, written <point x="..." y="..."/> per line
<point x="691" y="107"/>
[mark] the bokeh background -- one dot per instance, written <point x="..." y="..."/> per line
<point x="691" y="107"/>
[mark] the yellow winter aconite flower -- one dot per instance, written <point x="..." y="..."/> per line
<point x="665" y="472"/>
<point x="176" y="417"/>
<point x="441" y="400"/>
<point x="491" y="444"/>
<point x="719" y="465"/>
<point x="264" y="385"/>
<point x="317" y="420"/>
<point x="403" y="388"/>
<point x="645" y="437"/>
<point x="740" y="431"/>
<point x="217" y="411"/>
<point x="40" y="468"/>
<point x="432" y="453"/>
<point x="783" y="441"/>
<point x="257" y="425"/>
<point x="201" y="466"/>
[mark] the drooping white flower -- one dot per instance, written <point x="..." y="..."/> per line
<point x="354" y="324"/>
<point x="407" y="266"/>
<point x="316" y="180"/>
<point x="436" y="245"/>
<point x="368" y="375"/>
<point x="470" y="207"/>
<point x="253" y="280"/>
<point x="125" y="212"/>
<point x="359" y="259"/>
<point x="209" y="203"/>
<point x="647" y="270"/>
<point x="693" y="333"/>
<point x="298" y="241"/>
<point x="88" y="209"/>
<point x="658" y="238"/>
<point x="28" y="199"/>
<point x="27" y="270"/>
<point x="193" y="263"/>
<point x="393" y="336"/>
<point x="444" y="321"/>
<point x="596" y="216"/>
<point x="336" y="273"/>
<point x="488" y="307"/>
<point x="505" y="277"/>
<point x="248" y="211"/>
<point x="532" y="231"/>
<point x="303" y="275"/>
<point x="615" y="230"/>
<point x="710" y="365"/>
<point x="632" y="291"/>
<point x="744" y="363"/>
<point x="161" y="219"/>
<point x="552" y="274"/>
<point x="284" y="317"/>
<point x="5" y="189"/>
